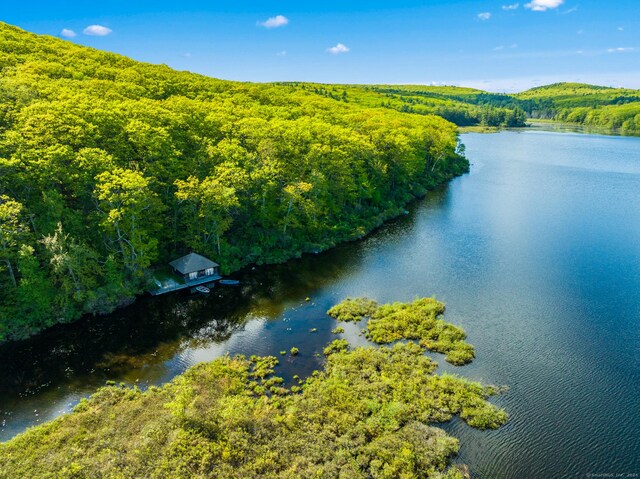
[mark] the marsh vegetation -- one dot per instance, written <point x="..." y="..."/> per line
<point x="420" y="320"/>
<point x="369" y="413"/>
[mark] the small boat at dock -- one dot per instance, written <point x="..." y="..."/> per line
<point x="229" y="282"/>
<point x="202" y="290"/>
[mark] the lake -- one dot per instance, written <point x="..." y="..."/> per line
<point x="536" y="253"/>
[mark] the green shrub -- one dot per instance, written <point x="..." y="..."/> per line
<point x="419" y="320"/>
<point x="369" y="413"/>
<point x="353" y="309"/>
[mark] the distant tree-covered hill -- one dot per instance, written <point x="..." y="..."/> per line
<point x="462" y="106"/>
<point x="598" y="106"/>
<point x="615" y="108"/>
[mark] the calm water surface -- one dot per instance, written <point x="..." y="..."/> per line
<point x="536" y="253"/>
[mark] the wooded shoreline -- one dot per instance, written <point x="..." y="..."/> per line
<point x="112" y="166"/>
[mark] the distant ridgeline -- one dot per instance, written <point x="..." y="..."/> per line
<point x="110" y="166"/>
<point x="462" y="106"/>
<point x="613" y="108"/>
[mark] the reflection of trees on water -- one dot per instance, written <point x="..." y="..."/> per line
<point x="154" y="330"/>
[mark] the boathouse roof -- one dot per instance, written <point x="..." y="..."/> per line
<point x="191" y="263"/>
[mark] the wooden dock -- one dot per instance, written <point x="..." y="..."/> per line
<point x="175" y="284"/>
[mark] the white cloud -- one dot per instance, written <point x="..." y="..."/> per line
<point x="275" y="22"/>
<point x="484" y="16"/>
<point x="339" y="48"/>
<point x="620" y="29"/>
<point x="621" y="50"/>
<point x="511" y="7"/>
<point x="543" y="5"/>
<point x="503" y="47"/>
<point x="97" y="30"/>
<point x="67" y="33"/>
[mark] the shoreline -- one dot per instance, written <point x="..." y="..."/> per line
<point x="375" y="224"/>
<point x="561" y="126"/>
<point x="127" y="301"/>
<point x="587" y="129"/>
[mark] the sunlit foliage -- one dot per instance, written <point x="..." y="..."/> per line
<point x="590" y="105"/>
<point x="109" y="167"/>
<point x="462" y="106"/>
<point x="353" y="309"/>
<point x="370" y="413"/>
<point x="420" y="320"/>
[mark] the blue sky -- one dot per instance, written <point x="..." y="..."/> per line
<point x="495" y="45"/>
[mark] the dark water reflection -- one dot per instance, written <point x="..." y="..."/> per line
<point x="537" y="254"/>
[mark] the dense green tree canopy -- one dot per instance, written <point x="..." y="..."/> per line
<point x="109" y="167"/>
<point x="597" y="106"/>
<point x="590" y="105"/>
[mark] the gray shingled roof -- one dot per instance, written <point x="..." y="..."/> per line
<point x="191" y="263"/>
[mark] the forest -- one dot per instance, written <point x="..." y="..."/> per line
<point x="110" y="167"/>
<point x="462" y="106"/>
<point x="370" y="413"/>
<point x="589" y="105"/>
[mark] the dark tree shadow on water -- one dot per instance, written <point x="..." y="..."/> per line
<point x="154" y="330"/>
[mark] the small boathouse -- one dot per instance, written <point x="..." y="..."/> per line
<point x="194" y="266"/>
<point x="188" y="272"/>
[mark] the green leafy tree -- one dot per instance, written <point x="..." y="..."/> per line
<point x="128" y="212"/>
<point x="74" y="269"/>
<point x="297" y="204"/>
<point x="34" y="296"/>
<point x="208" y="204"/>
<point x="12" y="233"/>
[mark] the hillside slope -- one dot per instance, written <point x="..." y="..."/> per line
<point x="613" y="108"/>
<point x="110" y="166"/>
<point x="462" y="106"/>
